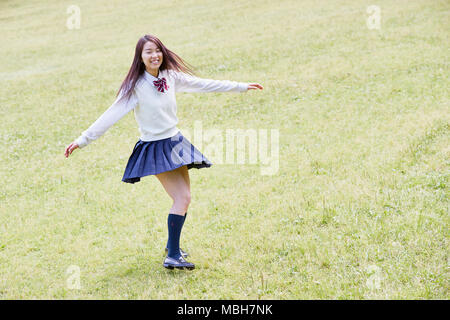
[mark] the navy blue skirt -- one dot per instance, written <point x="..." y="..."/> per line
<point x="154" y="157"/>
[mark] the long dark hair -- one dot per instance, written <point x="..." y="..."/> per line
<point x="171" y="61"/>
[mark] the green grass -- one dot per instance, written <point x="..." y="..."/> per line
<point x="357" y="210"/>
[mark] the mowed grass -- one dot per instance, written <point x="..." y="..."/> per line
<point x="357" y="210"/>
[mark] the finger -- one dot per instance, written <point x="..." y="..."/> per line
<point x="255" y="86"/>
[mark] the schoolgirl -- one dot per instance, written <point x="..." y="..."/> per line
<point x="155" y="75"/>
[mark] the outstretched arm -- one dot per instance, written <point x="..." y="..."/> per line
<point x="113" y="114"/>
<point x="187" y="83"/>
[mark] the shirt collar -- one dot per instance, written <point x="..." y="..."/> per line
<point x="150" y="77"/>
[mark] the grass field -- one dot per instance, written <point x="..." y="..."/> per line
<point x="357" y="210"/>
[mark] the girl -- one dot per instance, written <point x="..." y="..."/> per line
<point x="149" y="89"/>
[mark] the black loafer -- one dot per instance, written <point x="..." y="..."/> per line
<point x="183" y="254"/>
<point x="179" y="263"/>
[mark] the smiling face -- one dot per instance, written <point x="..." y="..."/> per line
<point x="152" y="57"/>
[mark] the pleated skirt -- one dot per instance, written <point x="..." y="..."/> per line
<point x="154" y="157"/>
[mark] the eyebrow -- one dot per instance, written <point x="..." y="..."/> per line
<point x="152" y="49"/>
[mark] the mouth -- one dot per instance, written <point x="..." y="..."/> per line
<point x="154" y="61"/>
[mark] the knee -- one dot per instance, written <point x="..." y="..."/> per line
<point x="184" y="200"/>
<point x="187" y="199"/>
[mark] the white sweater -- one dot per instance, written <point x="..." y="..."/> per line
<point x="154" y="111"/>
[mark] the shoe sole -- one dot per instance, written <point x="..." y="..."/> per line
<point x="171" y="267"/>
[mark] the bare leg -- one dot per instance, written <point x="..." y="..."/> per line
<point x="185" y="173"/>
<point x="177" y="185"/>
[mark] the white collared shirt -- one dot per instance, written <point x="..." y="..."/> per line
<point x="154" y="111"/>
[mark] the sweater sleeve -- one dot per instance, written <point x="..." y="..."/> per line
<point x="114" y="113"/>
<point x="187" y="83"/>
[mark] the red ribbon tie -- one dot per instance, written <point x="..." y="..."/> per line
<point x="161" y="84"/>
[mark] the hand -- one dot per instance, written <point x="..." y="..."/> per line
<point x="253" y="86"/>
<point x="70" y="149"/>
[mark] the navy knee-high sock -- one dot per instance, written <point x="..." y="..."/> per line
<point x="174" y="224"/>
<point x="167" y="244"/>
